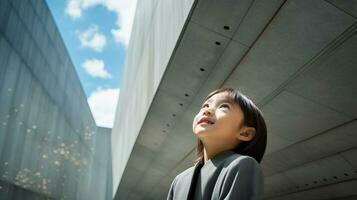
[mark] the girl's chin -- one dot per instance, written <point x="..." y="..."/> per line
<point x="203" y="130"/>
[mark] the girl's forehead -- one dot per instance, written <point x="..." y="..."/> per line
<point x="219" y="97"/>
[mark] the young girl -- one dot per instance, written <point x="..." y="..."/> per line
<point x="231" y="140"/>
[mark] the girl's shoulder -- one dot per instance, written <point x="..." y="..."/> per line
<point x="236" y="159"/>
<point x="230" y="162"/>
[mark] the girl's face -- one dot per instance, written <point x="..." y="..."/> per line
<point x="225" y="118"/>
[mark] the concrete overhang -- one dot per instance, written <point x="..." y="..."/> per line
<point x="295" y="59"/>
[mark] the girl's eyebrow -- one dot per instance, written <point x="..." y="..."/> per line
<point x="223" y="101"/>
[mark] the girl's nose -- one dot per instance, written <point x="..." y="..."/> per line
<point x="207" y="112"/>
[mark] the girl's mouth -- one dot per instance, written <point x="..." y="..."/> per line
<point x="205" y="120"/>
<point x="202" y="123"/>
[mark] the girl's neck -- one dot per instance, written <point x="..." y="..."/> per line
<point x="211" y="152"/>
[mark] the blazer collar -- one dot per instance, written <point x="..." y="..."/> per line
<point x="216" y="160"/>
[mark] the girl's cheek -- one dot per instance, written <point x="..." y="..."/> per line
<point x="220" y="116"/>
<point x="223" y="119"/>
<point x="195" y="119"/>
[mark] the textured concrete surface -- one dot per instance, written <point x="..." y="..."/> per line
<point x="295" y="59"/>
<point x="50" y="146"/>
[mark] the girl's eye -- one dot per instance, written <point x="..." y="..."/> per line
<point x="225" y="105"/>
<point x="204" y="105"/>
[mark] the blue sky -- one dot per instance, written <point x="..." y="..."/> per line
<point x="96" y="34"/>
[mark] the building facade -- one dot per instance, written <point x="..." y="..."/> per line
<point x="295" y="59"/>
<point x="156" y="29"/>
<point x="50" y="146"/>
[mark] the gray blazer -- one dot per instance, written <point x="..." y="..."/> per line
<point x="227" y="176"/>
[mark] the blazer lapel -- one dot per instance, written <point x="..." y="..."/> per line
<point x="193" y="182"/>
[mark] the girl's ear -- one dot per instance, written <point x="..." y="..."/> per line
<point x="246" y="133"/>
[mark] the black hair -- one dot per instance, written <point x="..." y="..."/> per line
<point x="253" y="117"/>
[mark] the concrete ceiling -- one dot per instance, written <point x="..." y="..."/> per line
<point x="297" y="60"/>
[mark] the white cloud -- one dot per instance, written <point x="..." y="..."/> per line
<point x="91" y="38"/>
<point x="124" y="9"/>
<point x="95" y="68"/>
<point x="102" y="103"/>
<point x="73" y="9"/>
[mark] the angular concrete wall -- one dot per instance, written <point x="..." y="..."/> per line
<point x="50" y="146"/>
<point x="295" y="59"/>
<point x="156" y="29"/>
